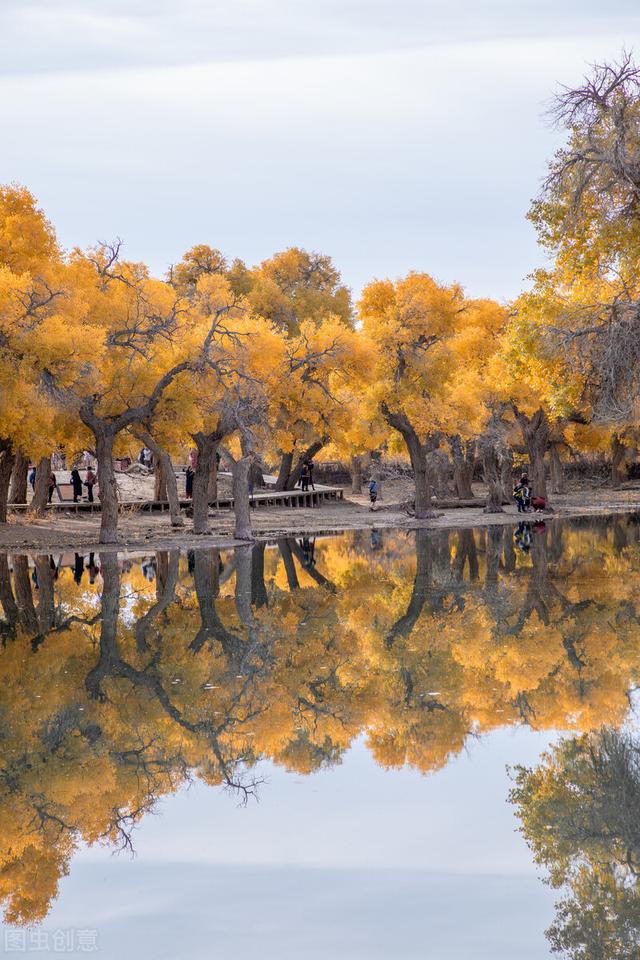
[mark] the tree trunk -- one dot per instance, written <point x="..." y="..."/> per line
<point x="284" y="547"/>
<point x="243" y="583"/>
<point x="41" y="492"/>
<point x="107" y="485"/>
<point x="46" y="602"/>
<point x="7" y="459"/>
<point x="241" y="504"/>
<point x="494" y="541"/>
<point x="171" y="484"/>
<point x="509" y="551"/>
<point x="160" y="480"/>
<point x="109" y="655"/>
<point x="617" y="460"/>
<point x="463" y="466"/>
<point x="212" y="486"/>
<point x="286" y="462"/>
<point x="439" y="469"/>
<point x="491" y="467"/>
<point x="207" y="444"/>
<point x="423" y="487"/>
<point x="620" y="536"/>
<point x="421" y="586"/>
<point x="506" y="474"/>
<point x="557" y="470"/>
<point x="24" y="594"/>
<point x="206" y="578"/>
<point x="418" y="455"/>
<point x="165" y="477"/>
<point x="535" y="433"/>
<point x="466" y="551"/>
<point x="259" y="597"/>
<point x="308" y="454"/>
<point x="19" y="478"/>
<point x="356" y="474"/>
<point x="166" y="582"/>
<point x="9" y="605"/>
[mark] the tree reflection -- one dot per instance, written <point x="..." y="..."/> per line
<point x="120" y="689"/>
<point x="580" y="814"/>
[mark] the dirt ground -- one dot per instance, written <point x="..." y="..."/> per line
<point x="69" y="531"/>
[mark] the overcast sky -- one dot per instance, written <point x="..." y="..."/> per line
<point x="392" y="135"/>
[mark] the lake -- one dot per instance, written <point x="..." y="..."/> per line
<point x="384" y="744"/>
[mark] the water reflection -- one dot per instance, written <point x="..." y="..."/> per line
<point x="579" y="810"/>
<point x="124" y="678"/>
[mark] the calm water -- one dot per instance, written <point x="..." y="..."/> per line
<point x="378" y="745"/>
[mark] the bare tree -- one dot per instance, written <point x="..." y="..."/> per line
<point x="589" y="207"/>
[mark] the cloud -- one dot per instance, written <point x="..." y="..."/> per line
<point x="60" y="36"/>
<point x="392" y="136"/>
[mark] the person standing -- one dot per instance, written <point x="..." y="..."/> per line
<point x="310" y="465"/>
<point x="522" y="494"/>
<point x="32" y="478"/>
<point x="52" y="483"/>
<point x="90" y="483"/>
<point x="189" y="482"/>
<point x="76" y="481"/>
<point x="304" y="476"/>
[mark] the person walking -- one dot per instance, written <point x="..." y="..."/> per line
<point x="373" y="493"/>
<point x="90" y="483"/>
<point x="76" y="481"/>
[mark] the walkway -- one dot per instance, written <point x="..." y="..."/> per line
<point x="265" y="498"/>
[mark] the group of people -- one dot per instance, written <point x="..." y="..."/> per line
<point x="77" y="483"/>
<point x="525" y="499"/>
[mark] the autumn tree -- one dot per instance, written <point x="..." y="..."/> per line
<point x="30" y="264"/>
<point x="294" y="286"/>
<point x="424" y="336"/>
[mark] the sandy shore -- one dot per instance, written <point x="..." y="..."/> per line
<point x="68" y="531"/>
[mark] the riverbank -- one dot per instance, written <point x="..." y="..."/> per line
<point x="66" y="531"/>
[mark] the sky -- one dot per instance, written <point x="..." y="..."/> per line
<point x="354" y="862"/>
<point x="392" y="136"/>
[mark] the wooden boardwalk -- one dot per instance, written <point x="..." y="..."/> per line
<point x="265" y="498"/>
